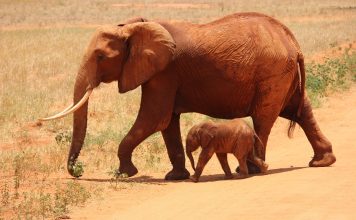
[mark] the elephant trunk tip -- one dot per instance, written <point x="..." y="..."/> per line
<point x="75" y="168"/>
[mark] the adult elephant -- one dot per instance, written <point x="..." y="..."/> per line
<point x="245" y="64"/>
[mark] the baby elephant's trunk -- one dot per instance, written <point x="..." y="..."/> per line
<point x="190" y="156"/>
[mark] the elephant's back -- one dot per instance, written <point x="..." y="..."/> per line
<point x="224" y="58"/>
<point x="234" y="127"/>
<point x="250" y="30"/>
<point x="239" y="44"/>
<point x="252" y="18"/>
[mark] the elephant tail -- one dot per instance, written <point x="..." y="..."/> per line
<point x="191" y="159"/>
<point x="301" y="76"/>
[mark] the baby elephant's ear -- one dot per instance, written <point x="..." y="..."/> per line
<point x="206" y="135"/>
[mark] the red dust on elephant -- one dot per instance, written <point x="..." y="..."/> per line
<point x="235" y="137"/>
<point x="244" y="64"/>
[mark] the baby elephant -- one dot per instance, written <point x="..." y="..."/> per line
<point x="234" y="136"/>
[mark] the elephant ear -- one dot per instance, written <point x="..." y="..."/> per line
<point x="150" y="48"/>
<point x="206" y="135"/>
<point x="132" y="20"/>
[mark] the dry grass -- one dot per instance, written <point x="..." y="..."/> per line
<point x="41" y="45"/>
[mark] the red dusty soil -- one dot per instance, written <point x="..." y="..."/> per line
<point x="291" y="189"/>
<point x="334" y="52"/>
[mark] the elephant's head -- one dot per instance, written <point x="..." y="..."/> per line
<point x="128" y="53"/>
<point x="198" y="135"/>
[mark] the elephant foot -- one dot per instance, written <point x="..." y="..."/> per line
<point x="127" y="169"/>
<point x="252" y="168"/>
<point x="228" y="177"/>
<point x="194" y="179"/>
<point x="175" y="174"/>
<point x="322" y="160"/>
<point x="264" y="167"/>
<point x="241" y="176"/>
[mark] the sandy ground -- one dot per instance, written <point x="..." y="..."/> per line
<point x="291" y="190"/>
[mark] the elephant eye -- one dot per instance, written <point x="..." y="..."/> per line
<point x="101" y="57"/>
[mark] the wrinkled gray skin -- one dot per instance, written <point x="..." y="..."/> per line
<point x="233" y="136"/>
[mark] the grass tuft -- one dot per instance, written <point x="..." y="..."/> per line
<point x="41" y="47"/>
<point x="331" y="76"/>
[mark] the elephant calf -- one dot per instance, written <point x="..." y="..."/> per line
<point x="234" y="136"/>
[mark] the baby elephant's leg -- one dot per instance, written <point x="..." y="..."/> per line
<point x="243" y="167"/>
<point x="225" y="165"/>
<point x="204" y="157"/>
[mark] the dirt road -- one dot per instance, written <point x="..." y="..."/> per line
<point x="291" y="190"/>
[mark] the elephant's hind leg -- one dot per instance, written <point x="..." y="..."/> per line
<point x="225" y="165"/>
<point x="263" y="120"/>
<point x="243" y="167"/>
<point x="323" y="154"/>
<point x="173" y="141"/>
<point x="258" y="162"/>
<point x="263" y="126"/>
<point x="264" y="112"/>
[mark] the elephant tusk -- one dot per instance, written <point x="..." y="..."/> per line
<point x="65" y="110"/>
<point x="69" y="109"/>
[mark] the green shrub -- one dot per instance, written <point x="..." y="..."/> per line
<point x="63" y="137"/>
<point x="78" y="169"/>
<point x="330" y="76"/>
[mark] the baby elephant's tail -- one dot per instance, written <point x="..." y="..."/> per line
<point x="190" y="156"/>
<point x="257" y="160"/>
<point x="259" y="153"/>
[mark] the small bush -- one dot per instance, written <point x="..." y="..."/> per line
<point x="102" y="138"/>
<point x="78" y="169"/>
<point x="5" y="195"/>
<point x="330" y="76"/>
<point x="63" y="137"/>
<point x="33" y="205"/>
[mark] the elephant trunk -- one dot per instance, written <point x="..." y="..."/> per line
<point x="81" y="87"/>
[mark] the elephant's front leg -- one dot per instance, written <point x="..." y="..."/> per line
<point x="154" y="115"/>
<point x="204" y="157"/>
<point x="173" y="141"/>
<point x="139" y="132"/>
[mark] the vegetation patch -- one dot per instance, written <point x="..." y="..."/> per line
<point x="41" y="47"/>
<point x="42" y="202"/>
<point x="333" y="75"/>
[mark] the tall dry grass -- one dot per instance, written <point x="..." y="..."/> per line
<point x="41" y="45"/>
